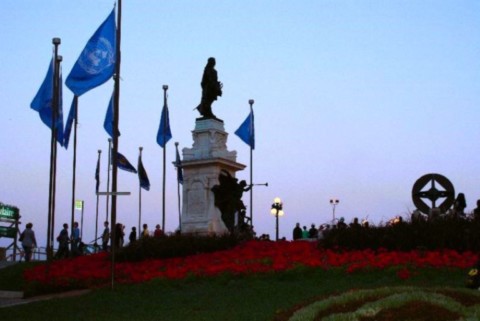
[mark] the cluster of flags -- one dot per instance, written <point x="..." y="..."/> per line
<point x="96" y="65"/>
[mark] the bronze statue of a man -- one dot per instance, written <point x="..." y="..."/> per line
<point x="211" y="89"/>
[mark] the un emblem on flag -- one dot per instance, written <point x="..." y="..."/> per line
<point x="96" y="57"/>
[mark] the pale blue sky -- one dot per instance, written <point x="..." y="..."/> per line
<point x="353" y="99"/>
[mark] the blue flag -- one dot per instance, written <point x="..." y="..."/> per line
<point x="97" y="175"/>
<point x="142" y="175"/>
<point x="68" y="125"/>
<point x="59" y="121"/>
<point x="108" y="122"/>
<point x="246" y="131"/>
<point x="164" y="134"/>
<point x="42" y="102"/>
<point x="96" y="63"/>
<point x="124" y="164"/>
<point x="178" y="165"/>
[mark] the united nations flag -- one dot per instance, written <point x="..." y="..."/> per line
<point x="96" y="63"/>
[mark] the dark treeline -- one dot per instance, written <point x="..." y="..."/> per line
<point x="447" y="232"/>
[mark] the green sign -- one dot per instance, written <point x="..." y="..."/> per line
<point x="9" y="212"/>
<point x="8" y="232"/>
<point x="78" y="205"/>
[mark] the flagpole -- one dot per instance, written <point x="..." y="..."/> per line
<point x="251" y="101"/>
<point x="96" y="215"/>
<point x="108" y="173"/>
<point x="178" y="194"/>
<point x="116" y="114"/>
<point x="165" y="88"/>
<point x="53" y="154"/>
<point x="139" y="195"/>
<point x="75" y="103"/>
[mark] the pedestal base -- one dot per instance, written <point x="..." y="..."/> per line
<point x="202" y="165"/>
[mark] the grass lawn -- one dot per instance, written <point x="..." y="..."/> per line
<point x="228" y="298"/>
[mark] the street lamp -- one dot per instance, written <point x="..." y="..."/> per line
<point x="277" y="210"/>
<point x="334" y="203"/>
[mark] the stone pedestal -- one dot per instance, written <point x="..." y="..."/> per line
<point x="202" y="165"/>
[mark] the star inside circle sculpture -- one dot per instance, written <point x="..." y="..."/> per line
<point x="435" y="188"/>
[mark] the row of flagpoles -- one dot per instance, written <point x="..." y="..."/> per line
<point x="83" y="77"/>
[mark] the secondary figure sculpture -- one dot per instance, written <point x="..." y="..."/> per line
<point x="211" y="89"/>
<point x="228" y="199"/>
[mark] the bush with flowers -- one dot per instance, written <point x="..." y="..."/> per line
<point x="249" y="257"/>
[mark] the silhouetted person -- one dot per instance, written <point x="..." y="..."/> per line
<point x="476" y="211"/>
<point x="119" y="235"/>
<point x="304" y="233"/>
<point x="297" y="232"/>
<point x="211" y="89"/>
<point x="313" y="232"/>
<point x="341" y="223"/>
<point x="459" y="205"/>
<point x="75" y="239"/>
<point x="355" y="223"/>
<point x="105" y="236"/>
<point x="133" y="235"/>
<point x="158" y="231"/>
<point x="28" y="241"/>
<point x="62" y="240"/>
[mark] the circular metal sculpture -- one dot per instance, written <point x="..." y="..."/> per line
<point x="433" y="187"/>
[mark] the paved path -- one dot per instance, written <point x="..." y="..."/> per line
<point x="11" y="298"/>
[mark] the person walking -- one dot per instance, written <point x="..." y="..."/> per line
<point x="133" y="235"/>
<point x="75" y="239"/>
<point x="28" y="241"/>
<point x="62" y="240"/>
<point x="105" y="236"/>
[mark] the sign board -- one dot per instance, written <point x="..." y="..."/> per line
<point x="8" y="232"/>
<point x="78" y="205"/>
<point x="9" y="212"/>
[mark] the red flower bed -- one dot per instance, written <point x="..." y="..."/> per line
<point x="251" y="257"/>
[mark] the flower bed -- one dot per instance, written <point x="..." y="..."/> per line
<point x="250" y="257"/>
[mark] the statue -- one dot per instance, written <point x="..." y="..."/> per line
<point x="228" y="199"/>
<point x="211" y="89"/>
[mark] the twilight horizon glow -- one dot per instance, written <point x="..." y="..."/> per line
<point x="354" y="100"/>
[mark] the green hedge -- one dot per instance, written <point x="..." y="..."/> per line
<point x="175" y="246"/>
<point x="442" y="233"/>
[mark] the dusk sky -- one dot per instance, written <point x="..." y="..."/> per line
<point x="354" y="100"/>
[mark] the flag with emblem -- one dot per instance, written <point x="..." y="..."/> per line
<point x="124" y="164"/>
<point x="96" y="63"/>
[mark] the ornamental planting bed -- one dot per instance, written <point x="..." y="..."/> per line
<point x="248" y="258"/>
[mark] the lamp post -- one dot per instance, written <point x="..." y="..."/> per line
<point x="334" y="203"/>
<point x="277" y="210"/>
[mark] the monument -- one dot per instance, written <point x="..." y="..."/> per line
<point x="203" y="164"/>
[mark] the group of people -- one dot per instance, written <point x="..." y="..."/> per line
<point x="73" y="245"/>
<point x="313" y="232"/>
<point x="132" y="237"/>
